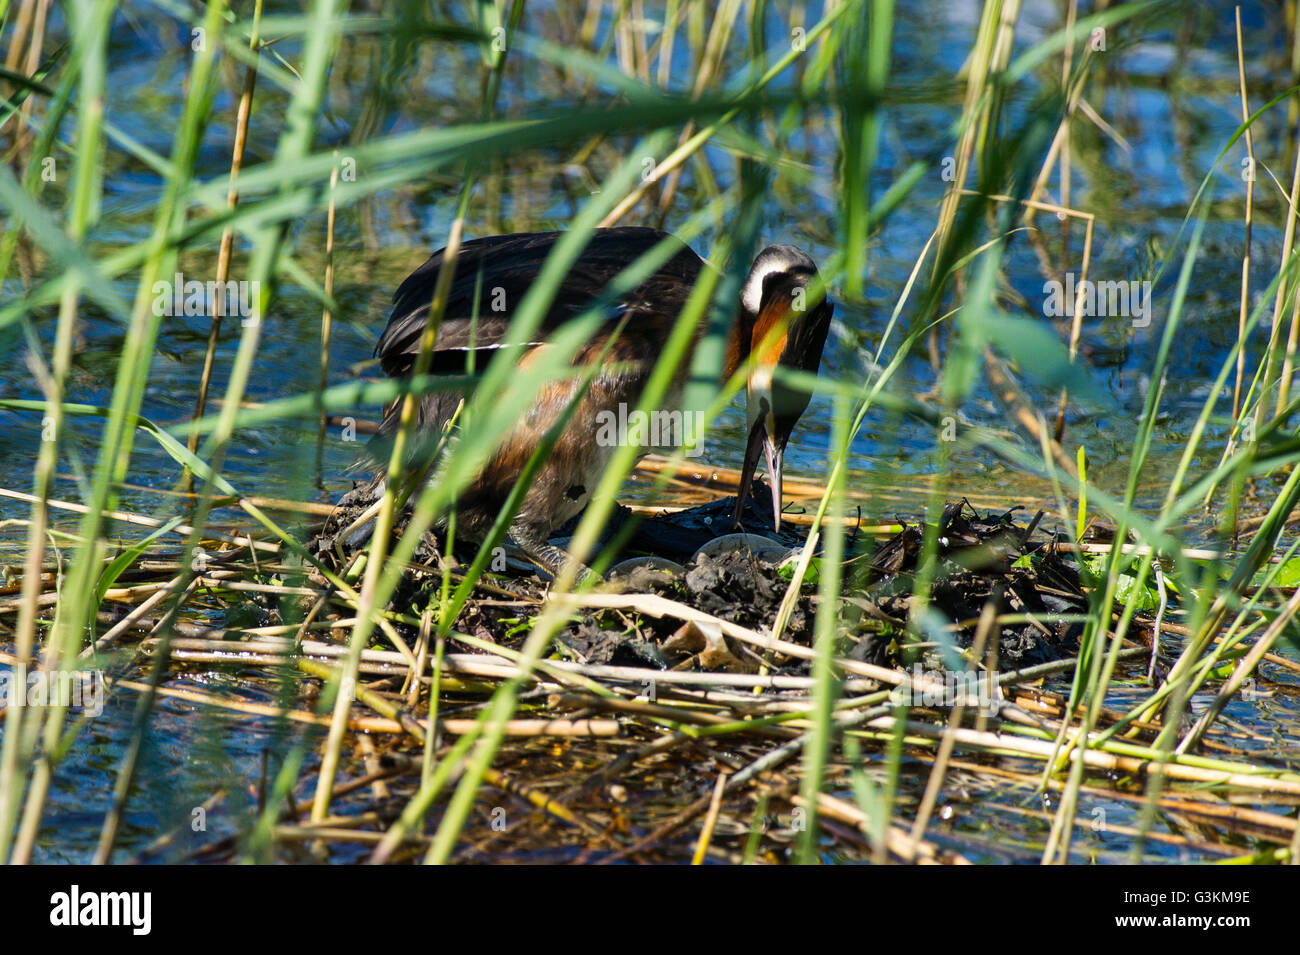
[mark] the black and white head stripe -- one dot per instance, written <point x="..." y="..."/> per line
<point x="773" y="259"/>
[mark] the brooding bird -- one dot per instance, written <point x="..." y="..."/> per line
<point x="777" y="320"/>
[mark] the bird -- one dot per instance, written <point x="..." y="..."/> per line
<point x="782" y="318"/>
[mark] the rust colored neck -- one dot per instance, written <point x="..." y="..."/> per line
<point x="775" y="314"/>
<point x="737" y="348"/>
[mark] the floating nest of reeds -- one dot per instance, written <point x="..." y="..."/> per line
<point x="694" y="559"/>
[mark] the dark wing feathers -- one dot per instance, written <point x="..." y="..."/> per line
<point x="498" y="271"/>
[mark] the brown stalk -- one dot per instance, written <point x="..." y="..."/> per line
<point x="242" y="115"/>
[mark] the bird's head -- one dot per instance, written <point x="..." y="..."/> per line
<point x="785" y="318"/>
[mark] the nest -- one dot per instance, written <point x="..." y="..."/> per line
<point x="979" y="560"/>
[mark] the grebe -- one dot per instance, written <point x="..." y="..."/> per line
<point x="777" y="311"/>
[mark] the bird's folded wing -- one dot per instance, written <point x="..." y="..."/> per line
<point x="493" y="275"/>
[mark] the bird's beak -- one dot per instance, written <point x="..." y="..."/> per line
<point x="775" y="458"/>
<point x="762" y="436"/>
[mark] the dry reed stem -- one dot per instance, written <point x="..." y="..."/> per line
<point x="1216" y="813"/>
<point x="127" y="517"/>
<point x="1270" y="358"/>
<point x="710" y="821"/>
<point x="1287" y="783"/>
<point x="934" y="784"/>
<point x="371" y="724"/>
<point x="327" y="316"/>
<point x="1245" y="667"/>
<point x="897" y="839"/>
<point x="226" y="250"/>
<point x="1243" y="311"/>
